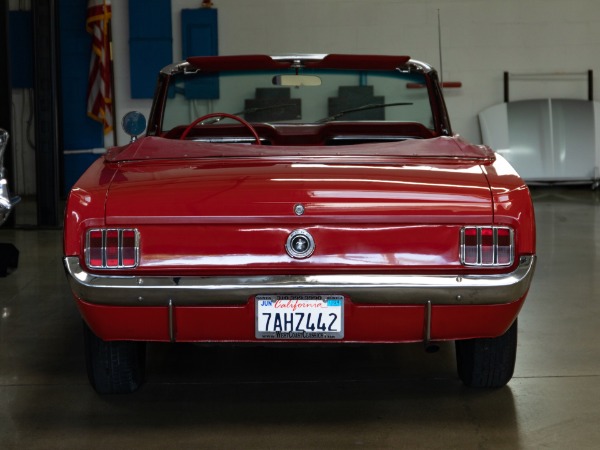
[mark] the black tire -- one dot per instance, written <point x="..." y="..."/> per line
<point x="114" y="367"/>
<point x="487" y="362"/>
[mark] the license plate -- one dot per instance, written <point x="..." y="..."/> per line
<point x="299" y="316"/>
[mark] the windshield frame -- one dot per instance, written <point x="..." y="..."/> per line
<point x="373" y="63"/>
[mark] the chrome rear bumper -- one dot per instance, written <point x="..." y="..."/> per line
<point x="362" y="289"/>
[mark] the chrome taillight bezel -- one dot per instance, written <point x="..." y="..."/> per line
<point x="120" y="249"/>
<point x="482" y="258"/>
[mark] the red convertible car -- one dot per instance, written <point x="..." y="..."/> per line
<point x="320" y="199"/>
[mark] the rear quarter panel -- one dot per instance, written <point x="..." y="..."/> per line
<point x="512" y="204"/>
<point x="86" y="205"/>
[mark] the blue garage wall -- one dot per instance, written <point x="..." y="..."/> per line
<point x="199" y="37"/>
<point x="150" y="43"/>
<point x="199" y="33"/>
<point x="79" y="131"/>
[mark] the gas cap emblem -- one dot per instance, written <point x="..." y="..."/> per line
<point x="299" y="209"/>
<point x="300" y="244"/>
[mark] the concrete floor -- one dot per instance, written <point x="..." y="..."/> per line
<point x="365" y="397"/>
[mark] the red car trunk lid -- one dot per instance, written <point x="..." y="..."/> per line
<point x="414" y="181"/>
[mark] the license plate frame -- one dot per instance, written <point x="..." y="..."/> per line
<point x="299" y="317"/>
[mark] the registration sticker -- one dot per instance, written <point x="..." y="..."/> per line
<point x="309" y="316"/>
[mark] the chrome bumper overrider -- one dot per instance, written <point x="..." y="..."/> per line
<point x="362" y="289"/>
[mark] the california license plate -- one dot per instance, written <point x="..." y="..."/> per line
<point x="299" y="316"/>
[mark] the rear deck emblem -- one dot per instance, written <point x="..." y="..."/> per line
<point x="300" y="244"/>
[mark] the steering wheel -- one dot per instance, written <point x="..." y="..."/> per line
<point x="219" y="114"/>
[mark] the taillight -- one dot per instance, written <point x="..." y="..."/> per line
<point x="486" y="246"/>
<point x="112" y="248"/>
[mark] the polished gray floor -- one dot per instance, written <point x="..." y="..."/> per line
<point x="365" y="397"/>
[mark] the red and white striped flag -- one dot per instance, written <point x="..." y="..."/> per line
<point x="99" y="94"/>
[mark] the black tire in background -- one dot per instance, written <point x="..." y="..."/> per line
<point x="114" y="367"/>
<point x="487" y="362"/>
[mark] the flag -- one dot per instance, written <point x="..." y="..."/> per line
<point x="99" y="93"/>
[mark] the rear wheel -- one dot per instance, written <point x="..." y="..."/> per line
<point x="487" y="362"/>
<point x="114" y="367"/>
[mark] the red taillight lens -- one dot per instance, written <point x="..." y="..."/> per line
<point x="487" y="246"/>
<point x="505" y="246"/>
<point x="95" y="248"/>
<point x="112" y="248"/>
<point x="129" y="248"/>
<point x="470" y="246"/>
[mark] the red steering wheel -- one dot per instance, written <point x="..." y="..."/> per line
<point x="226" y="115"/>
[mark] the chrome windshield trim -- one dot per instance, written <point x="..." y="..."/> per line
<point x="182" y="66"/>
<point x="419" y="66"/>
<point x="361" y="289"/>
<point x="176" y="67"/>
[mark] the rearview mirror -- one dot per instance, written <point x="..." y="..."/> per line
<point x="296" y="80"/>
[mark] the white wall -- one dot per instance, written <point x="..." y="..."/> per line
<point x="480" y="40"/>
